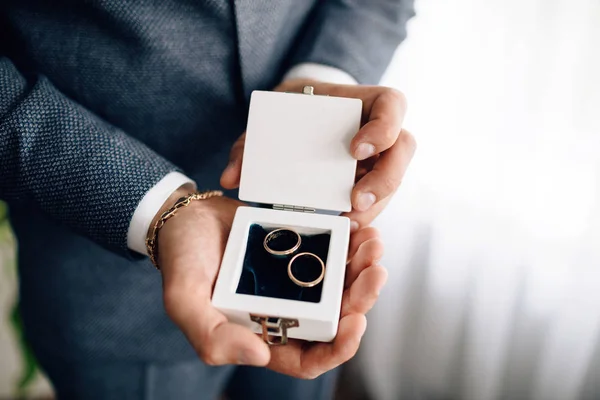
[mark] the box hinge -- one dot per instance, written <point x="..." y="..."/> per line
<point x="283" y="207"/>
<point x="274" y="326"/>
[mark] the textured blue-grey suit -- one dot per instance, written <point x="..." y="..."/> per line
<point x="101" y="99"/>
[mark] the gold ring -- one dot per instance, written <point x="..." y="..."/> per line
<point x="275" y="234"/>
<point x="302" y="283"/>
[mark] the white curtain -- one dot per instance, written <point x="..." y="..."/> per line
<point x="493" y="242"/>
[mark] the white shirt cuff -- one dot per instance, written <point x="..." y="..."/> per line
<point x="320" y="72"/>
<point x="151" y="203"/>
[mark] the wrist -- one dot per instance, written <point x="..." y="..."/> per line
<point x="180" y="192"/>
<point x="149" y="206"/>
<point x="186" y="201"/>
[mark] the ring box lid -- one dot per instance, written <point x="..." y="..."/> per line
<point x="297" y="150"/>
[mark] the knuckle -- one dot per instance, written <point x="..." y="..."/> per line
<point x="376" y="247"/>
<point x="371" y="232"/>
<point x="407" y="139"/>
<point x="204" y="337"/>
<point x="351" y="353"/>
<point x="210" y="361"/>
<point x="398" y="97"/>
<point x="389" y="135"/>
<point x="348" y="352"/>
<point x="208" y="358"/>
<point x="389" y="184"/>
<point x="309" y="375"/>
<point x="347" y="306"/>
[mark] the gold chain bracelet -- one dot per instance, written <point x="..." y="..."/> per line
<point x="152" y="240"/>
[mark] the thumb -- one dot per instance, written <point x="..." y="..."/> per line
<point x="230" y="179"/>
<point x="216" y="341"/>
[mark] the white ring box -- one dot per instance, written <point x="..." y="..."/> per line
<point x="297" y="161"/>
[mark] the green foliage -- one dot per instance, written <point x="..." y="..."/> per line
<point x="29" y="365"/>
<point x="4" y="227"/>
<point x="29" y="369"/>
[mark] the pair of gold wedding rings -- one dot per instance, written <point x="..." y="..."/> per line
<point x="283" y="231"/>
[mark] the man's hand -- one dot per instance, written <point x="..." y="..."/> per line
<point x="190" y="249"/>
<point x="191" y="246"/>
<point x="364" y="279"/>
<point x="382" y="147"/>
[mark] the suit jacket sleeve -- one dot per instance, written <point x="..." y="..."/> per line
<point x="75" y="167"/>
<point x="356" y="36"/>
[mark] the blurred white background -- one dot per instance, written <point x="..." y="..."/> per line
<point x="493" y="242"/>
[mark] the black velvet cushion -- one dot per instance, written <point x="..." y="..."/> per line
<point x="266" y="275"/>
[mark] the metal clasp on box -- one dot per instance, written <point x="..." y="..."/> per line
<point x="274" y="325"/>
<point x="310" y="90"/>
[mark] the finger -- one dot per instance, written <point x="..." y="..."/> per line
<point x="364" y="219"/>
<point x="360" y="236"/>
<point x="230" y="179"/>
<point x="364" y="292"/>
<point x="369" y="253"/>
<point x="309" y="360"/>
<point x="323" y="357"/>
<point x="230" y="343"/>
<point x="364" y="166"/>
<point x="387" y="173"/>
<point x="383" y="127"/>
<point x="216" y="341"/>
